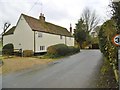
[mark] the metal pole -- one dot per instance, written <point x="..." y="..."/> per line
<point x="119" y="67"/>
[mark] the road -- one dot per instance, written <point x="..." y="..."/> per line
<point x="76" y="71"/>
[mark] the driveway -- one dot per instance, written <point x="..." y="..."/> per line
<point x="76" y="71"/>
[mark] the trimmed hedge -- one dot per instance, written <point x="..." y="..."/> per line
<point x="8" y="49"/>
<point x="61" y="50"/>
<point x="73" y="50"/>
<point x="27" y="53"/>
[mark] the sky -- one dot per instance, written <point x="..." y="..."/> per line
<point x="59" y="12"/>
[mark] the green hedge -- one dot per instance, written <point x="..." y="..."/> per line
<point x="61" y="50"/>
<point x="8" y="49"/>
<point x="106" y="34"/>
<point x="73" y="50"/>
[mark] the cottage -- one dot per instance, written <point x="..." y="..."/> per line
<point x="37" y="34"/>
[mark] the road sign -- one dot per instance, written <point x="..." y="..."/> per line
<point x="116" y="40"/>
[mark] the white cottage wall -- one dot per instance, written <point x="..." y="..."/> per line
<point x="8" y="39"/>
<point x="23" y="36"/>
<point x="48" y="39"/>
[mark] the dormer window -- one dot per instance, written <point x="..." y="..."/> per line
<point x="39" y="34"/>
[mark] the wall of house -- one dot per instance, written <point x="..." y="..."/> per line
<point x="23" y="36"/>
<point x="48" y="39"/>
<point x="8" y="39"/>
<point x="70" y="41"/>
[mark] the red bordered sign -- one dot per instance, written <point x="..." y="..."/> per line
<point x="116" y="40"/>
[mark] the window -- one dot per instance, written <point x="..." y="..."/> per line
<point x="39" y="34"/>
<point x="42" y="47"/>
<point x="60" y="36"/>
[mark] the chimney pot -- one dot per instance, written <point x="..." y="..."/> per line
<point x="71" y="28"/>
<point x="41" y="17"/>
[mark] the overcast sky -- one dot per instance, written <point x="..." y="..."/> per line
<point x="60" y="12"/>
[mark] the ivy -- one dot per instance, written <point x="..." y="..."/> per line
<point x="106" y="33"/>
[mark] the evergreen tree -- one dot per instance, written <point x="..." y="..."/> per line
<point x="79" y="33"/>
<point x="116" y="14"/>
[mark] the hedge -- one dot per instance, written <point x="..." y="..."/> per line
<point x="61" y="50"/>
<point x="8" y="49"/>
<point x="73" y="50"/>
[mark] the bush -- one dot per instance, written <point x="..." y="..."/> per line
<point x="61" y="50"/>
<point x="27" y="53"/>
<point x="58" y="50"/>
<point x="8" y="49"/>
<point x="73" y="50"/>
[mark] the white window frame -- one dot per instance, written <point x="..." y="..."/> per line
<point x="42" y="48"/>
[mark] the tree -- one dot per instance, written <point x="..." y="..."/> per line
<point x="109" y="50"/>
<point x="79" y="33"/>
<point x="116" y="18"/>
<point x="116" y="14"/>
<point x="90" y="18"/>
<point x="85" y="25"/>
<point x="6" y="26"/>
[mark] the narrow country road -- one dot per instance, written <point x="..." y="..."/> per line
<point x="76" y="71"/>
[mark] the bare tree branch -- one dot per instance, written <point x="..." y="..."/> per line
<point x="90" y="18"/>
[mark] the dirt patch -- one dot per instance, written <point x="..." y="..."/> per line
<point x="20" y="63"/>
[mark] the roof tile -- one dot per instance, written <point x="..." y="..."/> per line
<point x="47" y="27"/>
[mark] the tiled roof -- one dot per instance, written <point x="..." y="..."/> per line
<point x="44" y="26"/>
<point x="10" y="31"/>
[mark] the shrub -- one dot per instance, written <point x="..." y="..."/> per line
<point x="8" y="49"/>
<point x="58" y="50"/>
<point x="73" y="50"/>
<point x="27" y="53"/>
<point x="61" y="50"/>
<point x="51" y="56"/>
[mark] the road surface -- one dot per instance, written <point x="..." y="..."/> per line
<point x="0" y="82"/>
<point x="76" y="71"/>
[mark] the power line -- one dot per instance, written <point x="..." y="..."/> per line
<point x="41" y="7"/>
<point x="33" y="5"/>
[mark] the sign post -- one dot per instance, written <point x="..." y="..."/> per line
<point x="116" y="41"/>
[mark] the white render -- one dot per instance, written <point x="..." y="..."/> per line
<point x="48" y="39"/>
<point x="23" y="38"/>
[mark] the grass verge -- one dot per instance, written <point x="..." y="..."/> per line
<point x="106" y="77"/>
